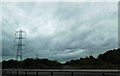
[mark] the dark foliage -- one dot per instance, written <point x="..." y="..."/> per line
<point x="31" y="63"/>
<point x="108" y="60"/>
<point x="111" y="56"/>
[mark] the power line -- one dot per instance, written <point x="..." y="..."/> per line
<point x="9" y="24"/>
<point x="16" y="22"/>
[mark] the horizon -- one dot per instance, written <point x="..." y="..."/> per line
<point x="56" y="60"/>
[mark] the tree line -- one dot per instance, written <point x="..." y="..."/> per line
<point x="107" y="60"/>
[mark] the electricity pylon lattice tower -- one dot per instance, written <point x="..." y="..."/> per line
<point x="20" y="42"/>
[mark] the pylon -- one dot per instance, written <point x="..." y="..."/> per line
<point x="20" y="42"/>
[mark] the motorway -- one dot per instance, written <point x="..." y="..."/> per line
<point x="58" y="72"/>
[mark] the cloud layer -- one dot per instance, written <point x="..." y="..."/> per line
<point x="60" y="31"/>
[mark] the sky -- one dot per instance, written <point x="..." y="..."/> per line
<point x="60" y="31"/>
<point x="59" y="0"/>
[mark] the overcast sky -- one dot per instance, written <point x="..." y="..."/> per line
<point x="60" y="31"/>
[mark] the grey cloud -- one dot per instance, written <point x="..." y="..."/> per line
<point x="56" y="30"/>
